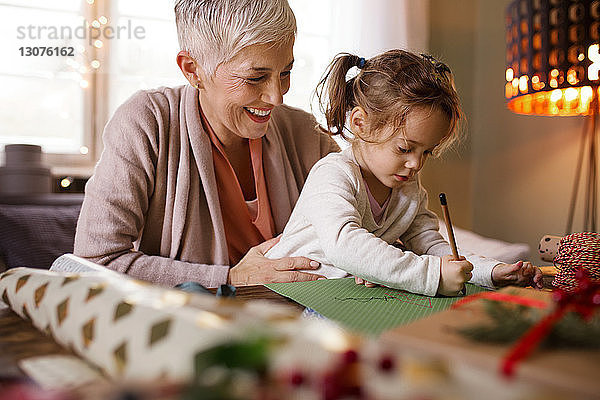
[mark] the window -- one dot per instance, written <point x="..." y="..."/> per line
<point x="121" y="46"/>
<point x="320" y="37"/>
<point x="42" y="100"/>
<point x="364" y="28"/>
<point x="142" y="64"/>
<point x="62" y="102"/>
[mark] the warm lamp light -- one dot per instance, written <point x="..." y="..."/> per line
<point x="552" y="68"/>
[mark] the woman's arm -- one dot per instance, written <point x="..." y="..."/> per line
<point x="117" y="206"/>
<point x="117" y="200"/>
<point x="256" y="269"/>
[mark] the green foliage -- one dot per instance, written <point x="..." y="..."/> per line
<point x="219" y="370"/>
<point x="249" y="354"/>
<point x="510" y="322"/>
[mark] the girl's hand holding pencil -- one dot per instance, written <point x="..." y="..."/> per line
<point x="361" y="281"/>
<point x="453" y="275"/>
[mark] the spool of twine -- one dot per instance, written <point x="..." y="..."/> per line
<point x="577" y="251"/>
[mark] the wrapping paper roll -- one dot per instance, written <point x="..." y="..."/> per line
<point x="130" y="329"/>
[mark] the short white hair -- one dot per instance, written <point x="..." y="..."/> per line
<point x="214" y="31"/>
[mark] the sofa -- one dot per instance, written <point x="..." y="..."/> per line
<point x="36" y="229"/>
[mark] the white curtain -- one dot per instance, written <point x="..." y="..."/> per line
<point x="379" y="25"/>
<point x="361" y="27"/>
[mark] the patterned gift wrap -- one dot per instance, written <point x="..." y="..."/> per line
<point x="130" y="329"/>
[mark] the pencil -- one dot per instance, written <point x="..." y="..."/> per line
<point x="450" y="231"/>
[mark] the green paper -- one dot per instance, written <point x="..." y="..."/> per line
<point x="364" y="310"/>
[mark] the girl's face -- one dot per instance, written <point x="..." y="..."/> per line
<point x="399" y="159"/>
<point x="239" y="98"/>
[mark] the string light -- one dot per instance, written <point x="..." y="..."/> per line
<point x="86" y="62"/>
<point x="555" y="95"/>
<point x="557" y="78"/>
<point x="523" y="83"/>
<point x="571" y="94"/>
<point x="572" y="76"/>
<point x="594" y="56"/>
<point x="556" y="102"/>
<point x="66" y="182"/>
<point x="508" y="90"/>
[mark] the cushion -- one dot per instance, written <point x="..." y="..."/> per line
<point x="34" y="235"/>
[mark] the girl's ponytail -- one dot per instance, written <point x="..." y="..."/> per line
<point x="335" y="94"/>
<point x="387" y="87"/>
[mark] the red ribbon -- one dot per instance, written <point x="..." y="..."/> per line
<point x="583" y="299"/>
<point x="503" y="297"/>
<point x="528" y="343"/>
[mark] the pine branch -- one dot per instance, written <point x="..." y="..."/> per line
<point x="509" y="323"/>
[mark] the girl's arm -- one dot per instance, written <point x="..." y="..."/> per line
<point x="328" y="203"/>
<point x="423" y="237"/>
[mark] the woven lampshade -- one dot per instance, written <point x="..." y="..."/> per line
<point x="552" y="56"/>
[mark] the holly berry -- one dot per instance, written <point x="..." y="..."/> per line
<point x="297" y="378"/>
<point x="349" y="356"/>
<point x="387" y="364"/>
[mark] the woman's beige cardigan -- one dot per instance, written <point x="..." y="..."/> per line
<point x="151" y="209"/>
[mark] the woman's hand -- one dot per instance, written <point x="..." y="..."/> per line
<point x="256" y="269"/>
<point x="518" y="274"/>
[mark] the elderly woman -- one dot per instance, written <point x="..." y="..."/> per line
<point x="195" y="181"/>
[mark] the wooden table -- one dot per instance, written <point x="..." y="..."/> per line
<point x="18" y="340"/>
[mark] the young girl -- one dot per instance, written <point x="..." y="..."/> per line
<point x="400" y="109"/>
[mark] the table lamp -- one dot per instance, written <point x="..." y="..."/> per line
<point x="552" y="68"/>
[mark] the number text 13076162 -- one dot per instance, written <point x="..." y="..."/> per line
<point x="38" y="51"/>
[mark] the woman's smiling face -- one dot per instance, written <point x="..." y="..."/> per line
<point x="239" y="98"/>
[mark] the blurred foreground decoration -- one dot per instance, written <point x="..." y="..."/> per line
<point x="156" y="343"/>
